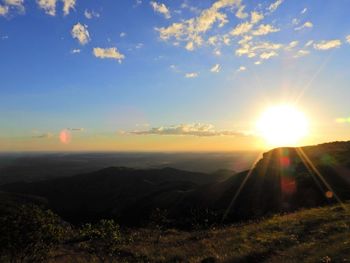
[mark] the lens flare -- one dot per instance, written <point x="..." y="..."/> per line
<point x="65" y="137"/>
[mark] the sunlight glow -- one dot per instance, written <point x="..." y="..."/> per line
<point x="282" y="125"/>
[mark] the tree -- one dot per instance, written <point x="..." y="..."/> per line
<point x="28" y="234"/>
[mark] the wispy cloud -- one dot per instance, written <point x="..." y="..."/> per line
<point x="241" y="68"/>
<point x="327" y="44"/>
<point x="240" y="12"/>
<point x="91" y="14"/>
<point x="264" y="30"/>
<point x="161" y="8"/>
<point x="268" y="55"/>
<point x="81" y="33"/>
<point x="191" y="75"/>
<point x="348" y="39"/>
<point x="75" y="51"/>
<point x="76" y="129"/>
<point x="307" y="24"/>
<point x="195" y="129"/>
<point x="46" y="135"/>
<point x="241" y="29"/>
<point x="302" y="53"/>
<point x="216" y="68"/>
<point x="109" y="53"/>
<point x="292" y="45"/>
<point x="273" y="7"/>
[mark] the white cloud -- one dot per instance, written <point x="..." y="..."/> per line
<point x="241" y="68"/>
<point x="295" y="21"/>
<point x="161" y="8"/>
<point x="325" y="45"/>
<point x="137" y="3"/>
<point x="275" y="5"/>
<point x="268" y="55"/>
<point x="189" y="46"/>
<point x="307" y="24"/>
<point x="195" y="129"/>
<point x="226" y="39"/>
<point x="68" y="5"/>
<point x="241" y="29"/>
<point x="240" y="12"/>
<point x="302" y="53"/>
<point x="91" y="14"/>
<point x="309" y="43"/>
<point x="251" y="49"/>
<point x="256" y="17"/>
<point x="122" y="34"/>
<point x="348" y="39"/>
<point x="191" y="75"/>
<point x="216" y="68"/>
<point x="264" y="30"/>
<point x="213" y="40"/>
<point x="139" y="45"/>
<point x="19" y="4"/>
<point x="75" y="51"/>
<point x="81" y="33"/>
<point x="111" y="53"/>
<point x="292" y="45"/>
<point x="303" y="11"/>
<point x="217" y="52"/>
<point x="3" y="10"/>
<point x="191" y="30"/>
<point x="49" y="6"/>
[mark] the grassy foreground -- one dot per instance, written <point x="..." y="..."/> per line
<point x="313" y="235"/>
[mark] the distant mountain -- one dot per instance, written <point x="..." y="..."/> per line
<point x="285" y="179"/>
<point x="33" y="167"/>
<point x="116" y="191"/>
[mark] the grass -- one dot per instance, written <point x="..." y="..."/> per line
<point x="313" y="235"/>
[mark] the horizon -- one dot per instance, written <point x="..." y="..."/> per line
<point x="172" y="76"/>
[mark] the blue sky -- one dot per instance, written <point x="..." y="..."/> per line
<point x="119" y="75"/>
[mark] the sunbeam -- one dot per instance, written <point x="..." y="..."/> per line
<point x="317" y="172"/>
<point x="240" y="188"/>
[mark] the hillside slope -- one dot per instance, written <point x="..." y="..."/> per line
<point x="313" y="235"/>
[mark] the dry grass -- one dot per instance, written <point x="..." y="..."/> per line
<point x="314" y="235"/>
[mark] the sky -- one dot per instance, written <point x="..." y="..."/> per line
<point x="169" y="75"/>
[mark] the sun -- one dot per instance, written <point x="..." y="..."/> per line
<point x="282" y="125"/>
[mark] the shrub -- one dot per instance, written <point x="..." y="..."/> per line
<point x="28" y="234"/>
<point x="102" y="239"/>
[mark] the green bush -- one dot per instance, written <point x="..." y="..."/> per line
<point x="101" y="240"/>
<point x="28" y="234"/>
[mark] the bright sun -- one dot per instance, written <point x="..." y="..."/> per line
<point x="282" y="125"/>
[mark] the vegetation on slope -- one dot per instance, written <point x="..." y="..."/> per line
<point x="313" y="235"/>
